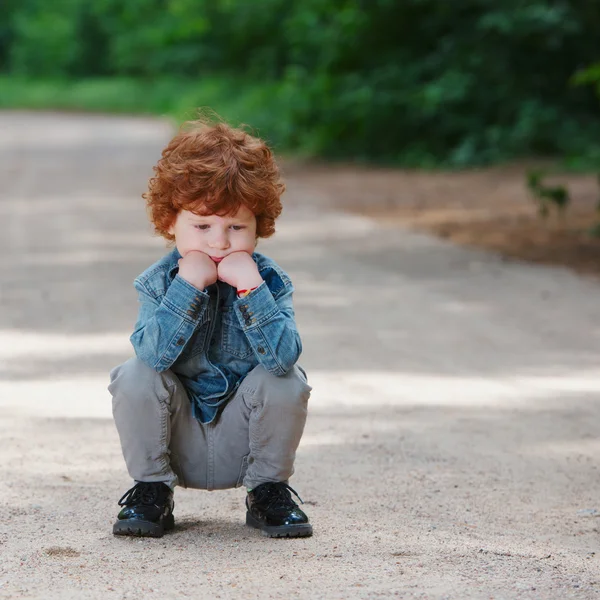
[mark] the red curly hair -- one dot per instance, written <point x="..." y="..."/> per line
<point x="212" y="168"/>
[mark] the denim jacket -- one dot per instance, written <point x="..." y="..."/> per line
<point x="212" y="339"/>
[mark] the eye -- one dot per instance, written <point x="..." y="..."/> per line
<point x="202" y="227"/>
<point x="238" y="227"/>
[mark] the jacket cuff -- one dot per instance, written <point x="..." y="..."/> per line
<point x="186" y="301"/>
<point x="256" y="308"/>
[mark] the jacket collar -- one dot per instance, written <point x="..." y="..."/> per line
<point x="173" y="263"/>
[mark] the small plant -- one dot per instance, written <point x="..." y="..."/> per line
<point x="594" y="230"/>
<point x="547" y="196"/>
<point x="591" y="76"/>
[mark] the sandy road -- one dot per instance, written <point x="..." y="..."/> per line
<point x="453" y="444"/>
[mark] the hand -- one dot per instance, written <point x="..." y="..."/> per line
<point x="198" y="269"/>
<point x="239" y="271"/>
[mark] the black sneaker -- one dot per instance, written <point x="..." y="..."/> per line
<point x="272" y="510"/>
<point x="147" y="510"/>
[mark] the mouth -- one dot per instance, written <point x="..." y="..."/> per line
<point x="216" y="259"/>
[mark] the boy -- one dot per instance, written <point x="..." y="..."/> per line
<point x="214" y="398"/>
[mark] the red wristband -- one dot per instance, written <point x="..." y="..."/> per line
<point x="244" y="293"/>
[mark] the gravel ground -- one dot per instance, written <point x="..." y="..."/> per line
<point x="452" y="447"/>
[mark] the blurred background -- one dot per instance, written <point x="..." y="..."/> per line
<point x="423" y="84"/>
<point x="461" y="415"/>
<point x="418" y="83"/>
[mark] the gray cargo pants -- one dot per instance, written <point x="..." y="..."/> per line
<point x="252" y="441"/>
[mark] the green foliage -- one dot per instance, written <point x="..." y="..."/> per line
<point x="238" y="101"/>
<point x="44" y="36"/>
<point x="418" y="82"/>
<point x="547" y="196"/>
<point x="588" y="76"/>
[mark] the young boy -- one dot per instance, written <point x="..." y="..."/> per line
<point x="214" y="398"/>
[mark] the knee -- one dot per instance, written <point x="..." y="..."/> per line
<point x="129" y="375"/>
<point x="135" y="381"/>
<point x="296" y="383"/>
<point x="291" y="389"/>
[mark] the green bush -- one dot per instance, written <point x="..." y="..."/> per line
<point x="418" y="82"/>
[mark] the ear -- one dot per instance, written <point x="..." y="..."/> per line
<point x="171" y="228"/>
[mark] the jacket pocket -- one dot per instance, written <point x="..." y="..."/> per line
<point x="197" y="342"/>
<point x="233" y="338"/>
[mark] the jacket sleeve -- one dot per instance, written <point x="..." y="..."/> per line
<point x="165" y="324"/>
<point x="270" y="327"/>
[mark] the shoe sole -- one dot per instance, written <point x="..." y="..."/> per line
<point x="281" y="531"/>
<point x="138" y="528"/>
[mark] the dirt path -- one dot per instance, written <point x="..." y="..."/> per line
<point x="452" y="449"/>
<point x="486" y="208"/>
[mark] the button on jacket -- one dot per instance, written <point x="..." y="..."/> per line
<point x="212" y="339"/>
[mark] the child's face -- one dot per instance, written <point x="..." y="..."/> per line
<point x="214" y="235"/>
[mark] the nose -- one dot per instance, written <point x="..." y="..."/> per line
<point x="219" y="240"/>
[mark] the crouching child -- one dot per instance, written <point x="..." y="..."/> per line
<point x="214" y="397"/>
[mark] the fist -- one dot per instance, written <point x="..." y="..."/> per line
<point x="198" y="269"/>
<point x="239" y="271"/>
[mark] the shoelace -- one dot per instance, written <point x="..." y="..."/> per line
<point x="276" y="496"/>
<point x="141" y="493"/>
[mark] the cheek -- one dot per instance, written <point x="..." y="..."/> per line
<point x="250" y="242"/>
<point x="189" y="240"/>
<point x="252" y="239"/>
